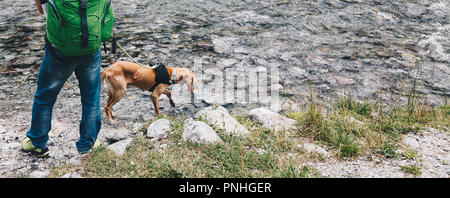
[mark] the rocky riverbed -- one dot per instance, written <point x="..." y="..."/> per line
<point x="333" y="46"/>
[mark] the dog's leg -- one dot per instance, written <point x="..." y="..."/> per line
<point x="169" y="95"/>
<point x="155" y="97"/>
<point x="110" y="112"/>
<point x="156" y="94"/>
<point x="117" y="88"/>
<point x="116" y="97"/>
<point x="108" y="107"/>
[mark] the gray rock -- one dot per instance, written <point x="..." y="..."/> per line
<point x="312" y="148"/>
<point x="220" y="118"/>
<point x="223" y="44"/>
<point x="2" y="128"/>
<point x="72" y="175"/>
<point x="76" y="160"/>
<point x="271" y="120"/>
<point x="340" y="81"/>
<point x="159" y="129"/>
<point x="8" y="57"/>
<point x="39" y="174"/>
<point x="354" y="120"/>
<point x="200" y="132"/>
<point x="148" y="116"/>
<point x="250" y="16"/>
<point x="115" y="135"/>
<point x="411" y="142"/>
<point x="121" y="146"/>
<point x="222" y="64"/>
<point x="136" y="127"/>
<point x="163" y="146"/>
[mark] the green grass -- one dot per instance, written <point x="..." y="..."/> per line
<point x="294" y="172"/>
<point x="354" y="128"/>
<point x="351" y="129"/>
<point x="350" y="104"/>
<point x="263" y="153"/>
<point x="334" y="129"/>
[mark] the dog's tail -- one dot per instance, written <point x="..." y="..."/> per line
<point x="103" y="75"/>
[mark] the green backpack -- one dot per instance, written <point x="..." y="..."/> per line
<point x="77" y="27"/>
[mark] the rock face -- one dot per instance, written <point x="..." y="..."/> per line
<point x="220" y="118"/>
<point x="200" y="132"/>
<point x="271" y="120"/>
<point x="159" y="129"/>
<point x="121" y="146"/>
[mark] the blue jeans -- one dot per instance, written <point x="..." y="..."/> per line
<point x="54" y="71"/>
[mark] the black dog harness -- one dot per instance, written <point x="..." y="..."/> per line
<point x="162" y="76"/>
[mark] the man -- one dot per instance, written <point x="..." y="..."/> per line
<point x="64" y="55"/>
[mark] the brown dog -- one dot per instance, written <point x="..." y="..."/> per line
<point x="122" y="73"/>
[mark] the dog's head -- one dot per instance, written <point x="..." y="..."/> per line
<point x="183" y="74"/>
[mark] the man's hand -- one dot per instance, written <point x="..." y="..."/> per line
<point x="39" y="6"/>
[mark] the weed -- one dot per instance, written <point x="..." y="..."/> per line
<point x="350" y="104"/>
<point x="412" y="169"/>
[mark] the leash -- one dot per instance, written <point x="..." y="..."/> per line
<point x="153" y="67"/>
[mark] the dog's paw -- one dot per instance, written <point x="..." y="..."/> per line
<point x="114" y="115"/>
<point x="112" y="122"/>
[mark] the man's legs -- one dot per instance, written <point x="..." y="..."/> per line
<point x="88" y="75"/>
<point x="52" y="76"/>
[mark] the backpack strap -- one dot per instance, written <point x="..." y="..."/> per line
<point x="55" y="9"/>
<point x="84" y="25"/>
<point x="153" y="88"/>
<point x="108" y="4"/>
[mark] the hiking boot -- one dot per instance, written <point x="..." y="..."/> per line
<point x="96" y="145"/>
<point x="28" y="146"/>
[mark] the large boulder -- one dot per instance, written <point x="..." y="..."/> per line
<point x="220" y="118"/>
<point x="200" y="132"/>
<point x="159" y="129"/>
<point x="271" y="120"/>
